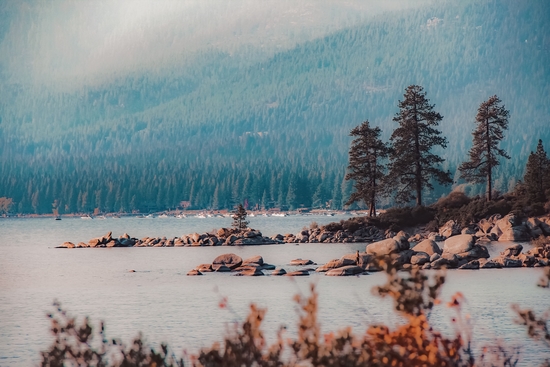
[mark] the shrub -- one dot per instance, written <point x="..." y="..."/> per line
<point x="413" y="342"/>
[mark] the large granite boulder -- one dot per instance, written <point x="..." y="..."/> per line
<point x="459" y="243"/>
<point x="345" y="271"/>
<point x="384" y="247"/>
<point x="403" y="257"/>
<point x="475" y="253"/>
<point x="507" y="262"/>
<point x="517" y="233"/>
<point x="232" y="261"/>
<point x="428" y="246"/>
<point x="364" y="258"/>
<point x="449" y="229"/>
<point x="485" y="226"/>
<point x="420" y="258"/>
<point x="533" y="225"/>
<point x="512" y="250"/>
<point x="472" y="265"/>
<point x="333" y="264"/>
<point x="205" y="268"/>
<point x="297" y="273"/>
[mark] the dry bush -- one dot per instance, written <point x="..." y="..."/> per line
<point x="413" y="342"/>
<point x="73" y="341"/>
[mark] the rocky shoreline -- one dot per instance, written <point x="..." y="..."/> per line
<point x="463" y="248"/>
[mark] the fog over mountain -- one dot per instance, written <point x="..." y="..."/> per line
<point x="58" y="41"/>
<point x="143" y="105"/>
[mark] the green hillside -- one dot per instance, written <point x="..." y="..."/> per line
<point x="274" y="130"/>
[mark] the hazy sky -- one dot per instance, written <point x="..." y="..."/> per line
<point x="48" y="40"/>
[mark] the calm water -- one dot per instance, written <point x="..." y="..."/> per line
<point x="166" y="305"/>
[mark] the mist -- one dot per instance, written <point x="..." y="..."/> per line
<point x="45" y="42"/>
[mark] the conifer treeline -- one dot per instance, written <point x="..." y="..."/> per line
<point x="206" y="132"/>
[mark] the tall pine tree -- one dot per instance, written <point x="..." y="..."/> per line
<point x="413" y="166"/>
<point x="537" y="175"/>
<point x="492" y="120"/>
<point x="365" y="165"/>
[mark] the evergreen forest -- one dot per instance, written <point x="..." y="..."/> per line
<point x="273" y="130"/>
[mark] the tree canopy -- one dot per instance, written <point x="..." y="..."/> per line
<point x="366" y="167"/>
<point x="492" y="121"/>
<point x="413" y="165"/>
<point x="537" y="175"/>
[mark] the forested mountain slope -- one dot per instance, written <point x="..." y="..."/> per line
<point x="227" y="127"/>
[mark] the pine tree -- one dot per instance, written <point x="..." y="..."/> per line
<point x="537" y="175"/>
<point x="412" y="165"/>
<point x="365" y="165"/>
<point x="239" y="219"/>
<point x="492" y="120"/>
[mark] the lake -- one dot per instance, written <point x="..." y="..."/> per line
<point x="159" y="300"/>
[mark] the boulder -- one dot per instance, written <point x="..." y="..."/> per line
<point x="254" y="260"/>
<point x="66" y="245"/>
<point x="507" y="222"/>
<point x="252" y="271"/>
<point x="458" y="244"/>
<point x="533" y="225"/>
<point x="111" y="243"/>
<point x="230" y="260"/>
<point x="334" y="264"/>
<point x="384" y="247"/>
<point x="436" y="237"/>
<point x="489" y="264"/>
<point x="204" y="268"/>
<point x="452" y="259"/>
<point x="434" y="257"/>
<point x="426" y="266"/>
<point x="279" y="272"/>
<point x="403" y="238"/>
<point x="345" y="271"/>
<point x="507" y="262"/>
<point x="420" y="258"/>
<point x="364" y="258"/>
<point x="223" y="233"/>
<point x="81" y="245"/>
<point x="94" y="242"/>
<point x="468" y="230"/>
<point x="439" y="263"/>
<point x="528" y="261"/>
<point x="194" y="272"/>
<point x="221" y="268"/>
<point x="106" y="238"/>
<point x="472" y="265"/>
<point x="297" y="273"/>
<point x="403" y="257"/>
<point x="449" y="229"/>
<point x="476" y="252"/>
<point x="194" y="237"/>
<point x="512" y="250"/>
<point x="372" y="267"/>
<point x="301" y="262"/>
<point x="127" y="242"/>
<point x="266" y="266"/>
<point x="518" y="233"/>
<point x="485" y="226"/>
<point x="428" y="246"/>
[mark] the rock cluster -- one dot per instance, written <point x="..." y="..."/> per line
<point x="497" y="228"/>
<point x="318" y="235"/>
<point x="253" y="266"/>
<point x="223" y="237"/>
